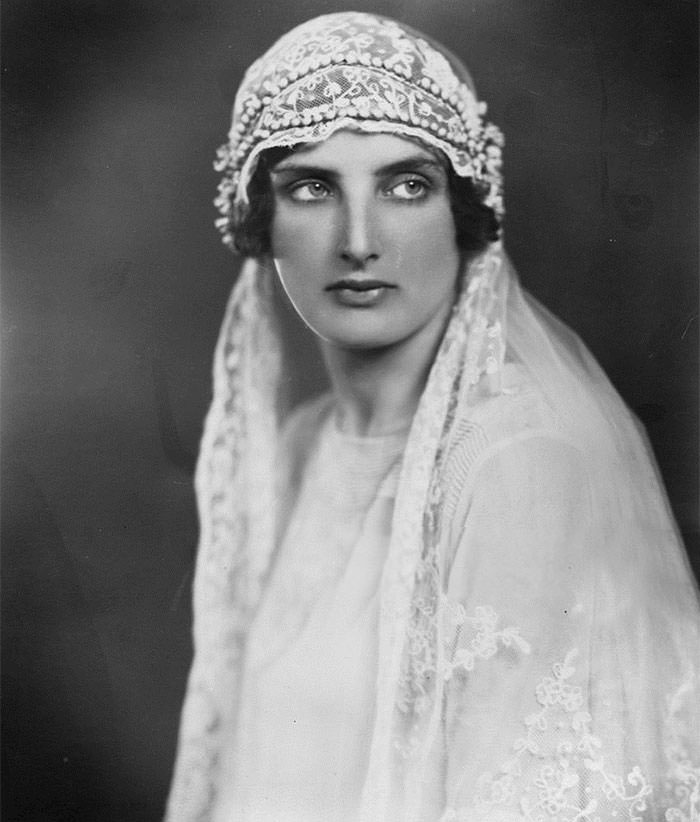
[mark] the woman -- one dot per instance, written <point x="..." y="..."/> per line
<point x="450" y="588"/>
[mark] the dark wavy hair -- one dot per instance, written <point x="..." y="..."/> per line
<point x="476" y="224"/>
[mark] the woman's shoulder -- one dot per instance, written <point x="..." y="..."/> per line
<point x="518" y="411"/>
<point x="516" y="425"/>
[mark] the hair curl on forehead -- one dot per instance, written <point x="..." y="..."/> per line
<point x="476" y="224"/>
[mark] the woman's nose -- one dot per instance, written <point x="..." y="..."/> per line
<point x="359" y="243"/>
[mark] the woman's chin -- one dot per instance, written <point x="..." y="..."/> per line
<point x="358" y="333"/>
<point x="359" y="342"/>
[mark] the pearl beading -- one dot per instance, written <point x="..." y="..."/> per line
<point x="354" y="70"/>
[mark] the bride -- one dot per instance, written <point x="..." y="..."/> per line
<point x="449" y="588"/>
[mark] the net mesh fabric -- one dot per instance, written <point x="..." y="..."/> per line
<point x="539" y="624"/>
<point x="489" y="706"/>
<point x="580" y="705"/>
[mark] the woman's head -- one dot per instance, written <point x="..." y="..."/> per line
<point x="362" y="239"/>
<point x="368" y="74"/>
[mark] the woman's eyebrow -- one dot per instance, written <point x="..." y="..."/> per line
<point x="304" y="170"/>
<point x="406" y="164"/>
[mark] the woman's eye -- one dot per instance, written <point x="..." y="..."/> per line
<point x="411" y="189"/>
<point x="309" y="191"/>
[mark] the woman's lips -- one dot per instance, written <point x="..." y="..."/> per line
<point x="359" y="293"/>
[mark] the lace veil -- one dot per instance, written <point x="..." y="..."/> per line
<point x="602" y="719"/>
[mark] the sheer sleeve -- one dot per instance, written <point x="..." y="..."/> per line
<point x="538" y="709"/>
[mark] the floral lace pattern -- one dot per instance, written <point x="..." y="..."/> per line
<point x="354" y="70"/>
<point x="558" y="770"/>
<point x="682" y="782"/>
<point x="560" y="734"/>
<point x="410" y="650"/>
<point x="235" y="493"/>
<point x="486" y="639"/>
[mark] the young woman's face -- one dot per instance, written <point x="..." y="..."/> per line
<point x="363" y="239"/>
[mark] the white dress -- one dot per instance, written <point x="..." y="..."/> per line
<point x="531" y="726"/>
<point x="307" y="710"/>
<point x="506" y="632"/>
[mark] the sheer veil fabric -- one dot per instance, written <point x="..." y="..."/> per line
<point x="539" y="629"/>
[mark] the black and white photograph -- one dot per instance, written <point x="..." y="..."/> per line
<point x="350" y="411"/>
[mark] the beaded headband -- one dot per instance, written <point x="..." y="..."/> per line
<point x="355" y="71"/>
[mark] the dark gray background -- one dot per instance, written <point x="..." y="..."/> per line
<point x="115" y="282"/>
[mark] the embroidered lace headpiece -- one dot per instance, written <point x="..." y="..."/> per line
<point x="360" y="71"/>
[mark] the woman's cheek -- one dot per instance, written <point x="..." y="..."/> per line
<point x="303" y="241"/>
<point x="430" y="247"/>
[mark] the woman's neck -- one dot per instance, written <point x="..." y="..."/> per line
<point x="377" y="390"/>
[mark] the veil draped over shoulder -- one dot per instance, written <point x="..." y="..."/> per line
<point x="539" y="626"/>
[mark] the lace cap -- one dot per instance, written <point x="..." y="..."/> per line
<point x="363" y="72"/>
